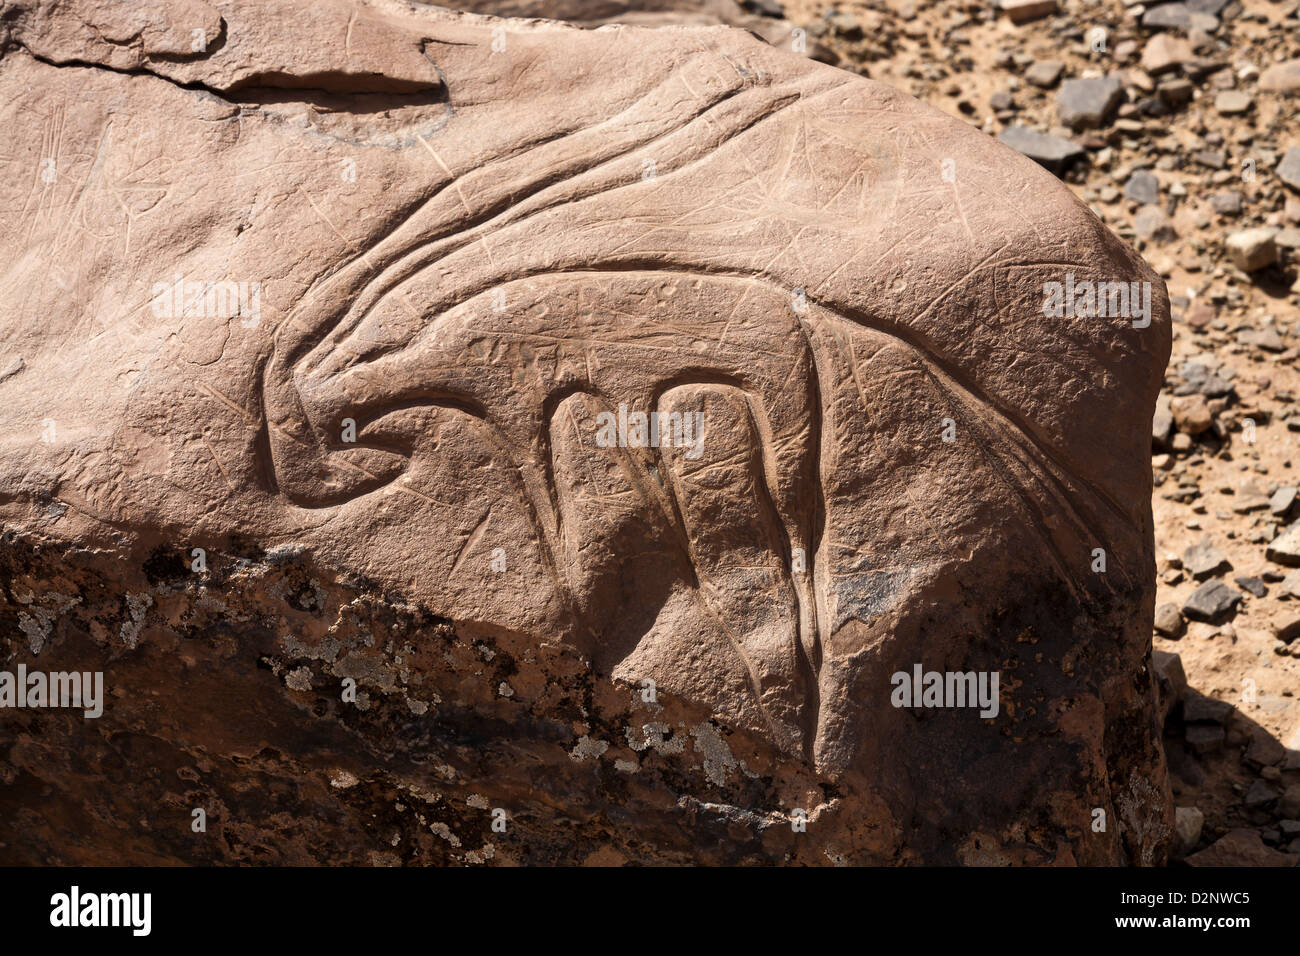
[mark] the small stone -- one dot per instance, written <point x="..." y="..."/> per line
<point x="1151" y="222"/>
<point x="1289" y="169"/>
<point x="1162" y="422"/>
<point x="1170" y="679"/>
<point x="1175" y="93"/>
<point x="1191" y="414"/>
<point x="1199" y="379"/>
<point x="1255" y="586"/>
<point x="1001" y="100"/>
<point x="1290" y="585"/>
<point x="846" y="25"/>
<point x="1281" y="77"/>
<point x="1165" y="52"/>
<point x="1201" y="314"/>
<point x="1169" y="621"/>
<point x="1253" y="249"/>
<point x="1204" y="559"/>
<point x="1281" y="500"/>
<point x="1265" y="339"/>
<point x="1211" y="602"/>
<point x="1226" y="204"/>
<point x="1232" y="103"/>
<point x="1188" y="822"/>
<point x="1143" y="188"/>
<point x="1023" y="11"/>
<point x="1285" y="629"/>
<point x="1211" y="158"/>
<point x="1050" y="152"/>
<point x="1260" y="795"/>
<point x="1044" y="73"/>
<point x="1089" y="103"/>
<point x="1179" y="16"/>
<point x="1264" y="750"/>
<point x="1285" y="548"/>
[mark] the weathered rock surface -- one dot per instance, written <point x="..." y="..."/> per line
<point x="465" y="245"/>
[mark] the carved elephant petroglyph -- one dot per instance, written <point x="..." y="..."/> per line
<point x="475" y="238"/>
<point x="545" y="286"/>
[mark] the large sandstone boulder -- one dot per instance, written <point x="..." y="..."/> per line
<point x="329" y="334"/>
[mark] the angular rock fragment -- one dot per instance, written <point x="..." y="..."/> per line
<point x="1253" y="249"/>
<point x="1143" y="188"/>
<point x="591" y="425"/>
<point x="1089" y="103"/>
<point x="1153" y="223"/>
<point x="1281" y="77"/>
<point x="1024" y="11"/>
<point x="1051" y="152"/>
<point x="1288" y="170"/>
<point x="1285" y="548"/>
<point x="1172" y="679"/>
<point x="1203" y="559"/>
<point x="1179" y="16"/>
<point x="1165" y="52"/>
<point x="1282" y="500"/>
<point x="1226" y="204"/>
<point x="1211" y="602"/>
<point x="1188" y="822"/>
<point x="1044" y="73"/>
<point x="1233" y="102"/>
<point x="1162" y="423"/>
<point x="1191" y="414"/>
<point x="1169" y="621"/>
<point x="1252" y="585"/>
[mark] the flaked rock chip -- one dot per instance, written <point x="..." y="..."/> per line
<point x="1051" y="152"/>
<point x="1285" y="548"/>
<point x="1089" y="102"/>
<point x="1203" y="559"/>
<point x="1142" y="188"/>
<point x="341" y="334"/>
<point x="1288" y="169"/>
<point x="1281" y="77"/>
<point x="1252" y="249"/>
<point x="1211" y="602"/>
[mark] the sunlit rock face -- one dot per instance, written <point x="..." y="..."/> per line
<point x="461" y="440"/>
